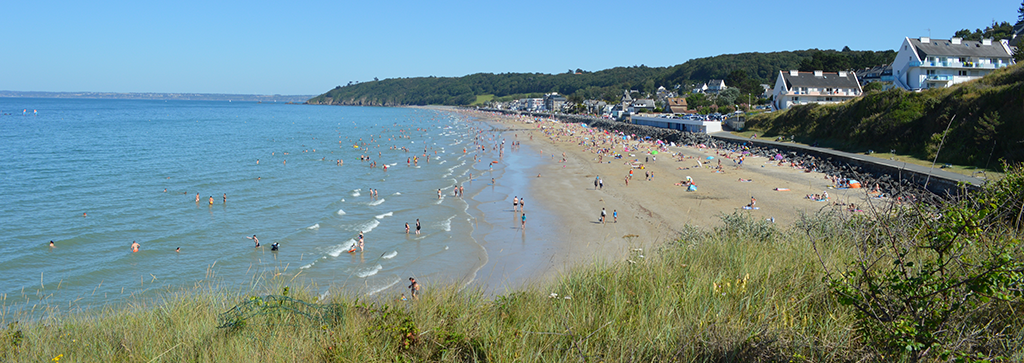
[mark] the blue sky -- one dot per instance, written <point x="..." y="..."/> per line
<point x="309" y="47"/>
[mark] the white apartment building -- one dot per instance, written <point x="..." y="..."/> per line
<point x="924" y="63"/>
<point x="798" y="88"/>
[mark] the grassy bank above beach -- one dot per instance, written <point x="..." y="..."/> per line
<point x="832" y="287"/>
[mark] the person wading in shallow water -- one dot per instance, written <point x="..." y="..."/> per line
<point x="414" y="288"/>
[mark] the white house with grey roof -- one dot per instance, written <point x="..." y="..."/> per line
<point x="924" y="63"/>
<point x="799" y="88"/>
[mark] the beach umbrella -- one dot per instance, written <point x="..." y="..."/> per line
<point x="710" y="157"/>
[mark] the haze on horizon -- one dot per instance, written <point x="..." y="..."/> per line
<point x="272" y="48"/>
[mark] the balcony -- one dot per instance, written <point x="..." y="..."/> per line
<point x="939" y="77"/>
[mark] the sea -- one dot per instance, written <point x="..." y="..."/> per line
<point x="96" y="175"/>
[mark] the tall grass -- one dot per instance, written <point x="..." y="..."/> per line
<point x="744" y="291"/>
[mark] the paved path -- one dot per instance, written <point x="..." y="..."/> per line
<point x="934" y="172"/>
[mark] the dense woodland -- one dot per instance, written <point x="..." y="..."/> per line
<point x="745" y="71"/>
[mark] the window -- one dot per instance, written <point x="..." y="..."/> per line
<point x="963" y="73"/>
<point x="796" y="99"/>
<point x="828" y="99"/>
<point x="931" y="71"/>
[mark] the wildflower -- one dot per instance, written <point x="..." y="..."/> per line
<point x="57" y="358"/>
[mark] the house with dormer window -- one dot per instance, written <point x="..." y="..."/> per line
<point x="924" y="63"/>
<point x="799" y="88"/>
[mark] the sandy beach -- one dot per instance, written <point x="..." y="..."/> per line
<point x="651" y="211"/>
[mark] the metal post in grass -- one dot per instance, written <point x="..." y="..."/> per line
<point x="943" y="140"/>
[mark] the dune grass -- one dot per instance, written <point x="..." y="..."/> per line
<point x="748" y="290"/>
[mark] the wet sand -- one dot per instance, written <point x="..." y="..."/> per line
<point x="566" y="230"/>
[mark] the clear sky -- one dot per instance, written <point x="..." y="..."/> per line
<point x="308" y="47"/>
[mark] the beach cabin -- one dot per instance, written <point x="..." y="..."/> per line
<point x="680" y="124"/>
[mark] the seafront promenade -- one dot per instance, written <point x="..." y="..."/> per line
<point x="934" y="179"/>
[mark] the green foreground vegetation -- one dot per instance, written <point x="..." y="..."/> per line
<point x="899" y="283"/>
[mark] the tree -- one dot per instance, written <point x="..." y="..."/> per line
<point x="728" y="96"/>
<point x="873" y="86"/>
<point x="1020" y="12"/>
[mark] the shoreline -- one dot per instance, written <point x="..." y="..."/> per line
<point x="650" y="213"/>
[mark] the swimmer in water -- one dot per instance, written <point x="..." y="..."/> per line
<point x="274" y="246"/>
<point x="178" y="250"/>
<point x="83" y="214"/>
<point x="211" y="200"/>
<point x="135" y="246"/>
<point x="360" y="241"/>
<point x="254" y="239"/>
<point x="406" y="230"/>
<point x="52" y="246"/>
<point x="197" y="197"/>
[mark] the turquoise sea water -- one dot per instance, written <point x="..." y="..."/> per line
<point x="113" y="159"/>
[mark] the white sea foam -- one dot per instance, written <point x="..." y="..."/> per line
<point x="307" y="266"/>
<point x="340" y="212"/>
<point x="384" y="287"/>
<point x="442" y="162"/>
<point x="315" y="226"/>
<point x="376" y="202"/>
<point x="381" y="216"/>
<point x="389" y="255"/>
<point x="370" y="271"/>
<point x="392" y="164"/>
<point x="368" y="226"/>
<point x="356" y="193"/>
<point x="337" y="250"/>
<point x="397" y="193"/>
<point x="447" y="224"/>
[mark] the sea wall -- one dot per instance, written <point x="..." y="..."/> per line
<point x="893" y="178"/>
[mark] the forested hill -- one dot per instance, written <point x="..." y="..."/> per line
<point x="746" y="71"/>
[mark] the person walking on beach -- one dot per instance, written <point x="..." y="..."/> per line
<point x="254" y="239"/>
<point x="615" y="216"/>
<point x="524" y="221"/>
<point x="515" y="204"/>
<point x="603" y="214"/>
<point x="414" y="289"/>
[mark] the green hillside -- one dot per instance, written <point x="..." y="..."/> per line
<point x="745" y="71"/>
<point x="986" y="127"/>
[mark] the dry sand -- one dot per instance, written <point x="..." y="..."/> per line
<point x="650" y="213"/>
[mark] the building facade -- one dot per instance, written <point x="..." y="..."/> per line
<point x="924" y="63"/>
<point x="798" y="88"/>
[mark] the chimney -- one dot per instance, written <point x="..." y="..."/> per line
<point x="818" y="73"/>
<point x="842" y="73"/>
<point x="926" y="40"/>
<point x="986" y="41"/>
<point x="793" y="73"/>
<point x="955" y="40"/>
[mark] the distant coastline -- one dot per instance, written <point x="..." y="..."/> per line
<point x="161" y="96"/>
